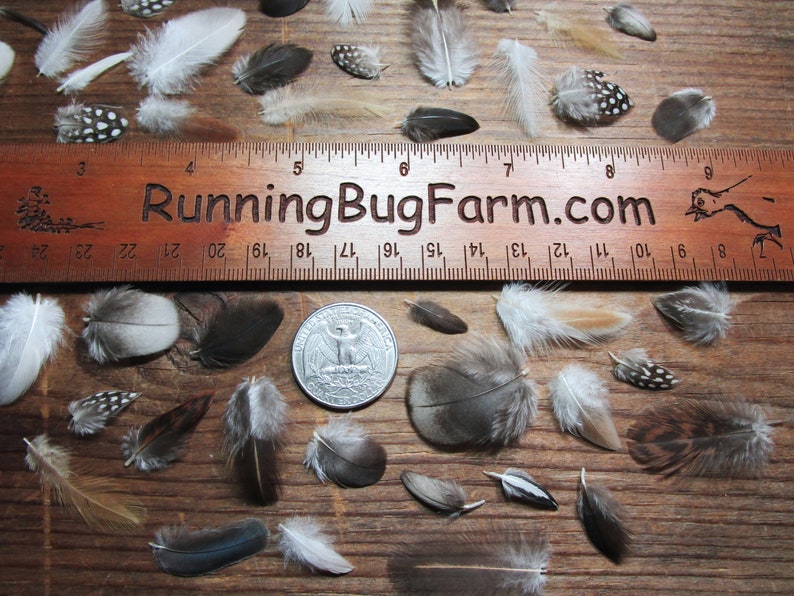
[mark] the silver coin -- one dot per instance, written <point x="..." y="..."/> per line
<point x="344" y="356"/>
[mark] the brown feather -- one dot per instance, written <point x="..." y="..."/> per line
<point x="436" y="317"/>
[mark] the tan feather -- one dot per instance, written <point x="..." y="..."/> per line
<point x="582" y="33"/>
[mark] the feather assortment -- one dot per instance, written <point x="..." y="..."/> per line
<point x="581" y="33"/>
<point x="631" y="21"/>
<point x="439" y="495"/>
<point x="479" y="397"/>
<point x="255" y="423"/>
<point x="635" y="368"/>
<point x="74" y="37"/>
<point x="445" y="49"/>
<point x="189" y="553"/>
<point x="162" y="440"/>
<point x="80" y="123"/>
<point x="167" y="60"/>
<point x="582" y="97"/>
<point x="178" y="119"/>
<point x="436" y="317"/>
<point x="520" y="486"/>
<point x="579" y="398"/>
<point x="683" y="113"/>
<point x="281" y="8"/>
<point x="702" y="312"/>
<point x="719" y="437"/>
<point x="500" y="6"/>
<point x="343" y="453"/>
<point x="360" y="61"/>
<point x="494" y="561"/>
<point x="145" y="9"/>
<point x="424" y="124"/>
<point x="31" y="330"/>
<point x="96" y="500"/>
<point x="604" y="520"/>
<point x="91" y="414"/>
<point x="536" y="318"/>
<point x="304" y="541"/>
<point x="345" y="12"/>
<point x="7" y="57"/>
<point x="298" y="104"/>
<point x="13" y="15"/>
<point x="79" y="80"/>
<point x="517" y="67"/>
<point x="270" y="67"/>
<point x="124" y="322"/>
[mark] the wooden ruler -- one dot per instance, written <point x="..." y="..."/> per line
<point x="281" y="212"/>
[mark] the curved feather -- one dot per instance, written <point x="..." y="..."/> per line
<point x="635" y="368"/>
<point x="345" y="12"/>
<point x="425" y="124"/>
<point x="79" y="80"/>
<point x="13" y="15"/>
<point x="630" y="20"/>
<point x="517" y="66"/>
<point x="90" y="414"/>
<point x="77" y="34"/>
<point x="604" y="520"/>
<point x="308" y="104"/>
<point x="436" y="317"/>
<point x="281" y="8"/>
<point x="304" y="541"/>
<point x="437" y="494"/>
<point x="270" y="67"/>
<point x="702" y="312"/>
<point x="520" y="486"/>
<point x="7" y="57"/>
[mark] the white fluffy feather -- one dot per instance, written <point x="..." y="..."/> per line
<point x="168" y="59"/>
<point x="517" y="65"/>
<point x="30" y="331"/>
<point x="345" y="12"/>
<point x="76" y="34"/>
<point x="6" y="60"/>
<point x="162" y="116"/>
<point x="79" y="79"/>
<point x="303" y="541"/>
<point x="300" y="104"/>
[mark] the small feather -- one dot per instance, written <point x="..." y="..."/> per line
<point x="635" y="368"/>
<point x="581" y="33"/>
<point x="442" y="496"/>
<point x="91" y="414"/>
<point x="281" y="8"/>
<point x="537" y="318"/>
<point x="581" y="97"/>
<point x="500" y="6"/>
<point x="145" y="9"/>
<point x="31" y="330"/>
<point x="520" y="486"/>
<point x="342" y="452"/>
<point x="604" y="520"/>
<point x="96" y="500"/>
<point x="360" y="61"/>
<point x="7" y="57"/>
<point x="189" y="553"/>
<point x="721" y="437"/>
<point x="270" y="67"/>
<point x="22" y="19"/>
<point x="123" y="323"/>
<point x="162" y="440"/>
<point x="423" y="124"/>
<point x="436" y="317"/>
<point x="517" y="67"/>
<point x="702" y="312"/>
<point x="77" y="33"/>
<point x="345" y="12"/>
<point x="479" y="397"/>
<point x="180" y="120"/>
<point x="631" y="21"/>
<point x="299" y="104"/>
<point x="683" y="113"/>
<point x="79" y="79"/>
<point x="79" y="123"/>
<point x="304" y="542"/>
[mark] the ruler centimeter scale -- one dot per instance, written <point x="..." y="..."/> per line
<point x="334" y="211"/>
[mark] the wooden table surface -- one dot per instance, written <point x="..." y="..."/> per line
<point x="697" y="535"/>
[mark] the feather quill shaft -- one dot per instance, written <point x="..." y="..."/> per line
<point x="270" y="67"/>
<point x="436" y="317"/>
<point x="80" y="79"/>
<point x="702" y="312"/>
<point x="72" y="39"/>
<point x="304" y="541"/>
<point x="22" y="19"/>
<point x="299" y="104"/>
<point x="439" y="495"/>
<point x="583" y="34"/>
<point x="604" y="520"/>
<point x="91" y="414"/>
<point x="178" y="119"/>
<point x="517" y="67"/>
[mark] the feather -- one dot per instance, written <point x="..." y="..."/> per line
<point x="520" y="486"/>
<point x="683" y="113"/>
<point x="442" y="496"/>
<point x="270" y="67"/>
<point x="721" y="437"/>
<point x="96" y="500"/>
<point x="31" y="330"/>
<point x="536" y="319"/>
<point x="436" y="317"/>
<point x="178" y="119"/>
<point x="702" y="312"/>
<point x="345" y="12"/>
<point x="168" y="59"/>
<point x="582" y="33"/>
<point x="162" y="440"/>
<point x="479" y="397"/>
<point x="423" y="124"/>
<point x="500" y="5"/>
<point x="145" y="9"/>
<point x="80" y="123"/>
<point x="604" y="520"/>
<point x="7" y="57"/>
<point x="631" y="21"/>
<point x="281" y="8"/>
<point x="300" y="104"/>
<point x="519" y="73"/>
<point x="235" y="332"/>
<point x="635" y="368"/>
<point x="77" y="34"/>
<point x="342" y="452"/>
<point x="22" y="19"/>
<point x="254" y="424"/>
<point x="79" y="79"/>
<point x="304" y="541"/>
<point x="91" y="414"/>
<point x="445" y="49"/>
<point x="494" y="561"/>
<point x="581" y="97"/>
<point x="123" y="323"/>
<point x="360" y="61"/>
<point x="188" y="553"/>
<point x="579" y="398"/>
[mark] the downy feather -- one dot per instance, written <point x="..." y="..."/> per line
<point x="579" y="398"/>
<point x="582" y="33"/>
<point x="7" y="57"/>
<point x="604" y="520"/>
<point x="342" y="452"/>
<point x="281" y="8"/>
<point x="91" y="414"/>
<point x="345" y="12"/>
<point x="79" y="79"/>
<point x="702" y="312"/>
<point x="144" y="9"/>
<point x="500" y="5"/>
<point x="162" y="440"/>
<point x="442" y="496"/>
<point x="360" y="61"/>
<point x="180" y="120"/>
<point x="96" y="500"/>
<point x="270" y="67"/>
<point x="517" y="67"/>
<point x="581" y="97"/>
<point x="537" y="318"/>
<point x="301" y="104"/>
<point x="479" y="397"/>
<point x="77" y="33"/>
<point x="683" y="113"/>
<point x="188" y="553"/>
<point x="23" y="19"/>
<point x="168" y="59"/>
<point x="436" y="317"/>
<point x="446" y="51"/>
<point x="424" y="124"/>
<point x="520" y="486"/>
<point x="720" y="437"/>
<point x="636" y="368"/>
<point x="31" y="330"/>
<point x="631" y="21"/>
<point x="304" y="541"/>
<point x="124" y="322"/>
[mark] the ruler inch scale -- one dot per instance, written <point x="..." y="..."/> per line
<point x="166" y="212"/>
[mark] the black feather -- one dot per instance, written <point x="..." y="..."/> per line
<point x="281" y="8"/>
<point x="604" y="520"/>
<point x="13" y="15"/>
<point x="424" y="124"/>
<point x="270" y="67"/>
<point x="436" y="317"/>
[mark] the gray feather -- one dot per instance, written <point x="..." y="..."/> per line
<point x="631" y="21"/>
<point x="439" y="495"/>
<point x="520" y="486"/>
<point x="701" y="311"/>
